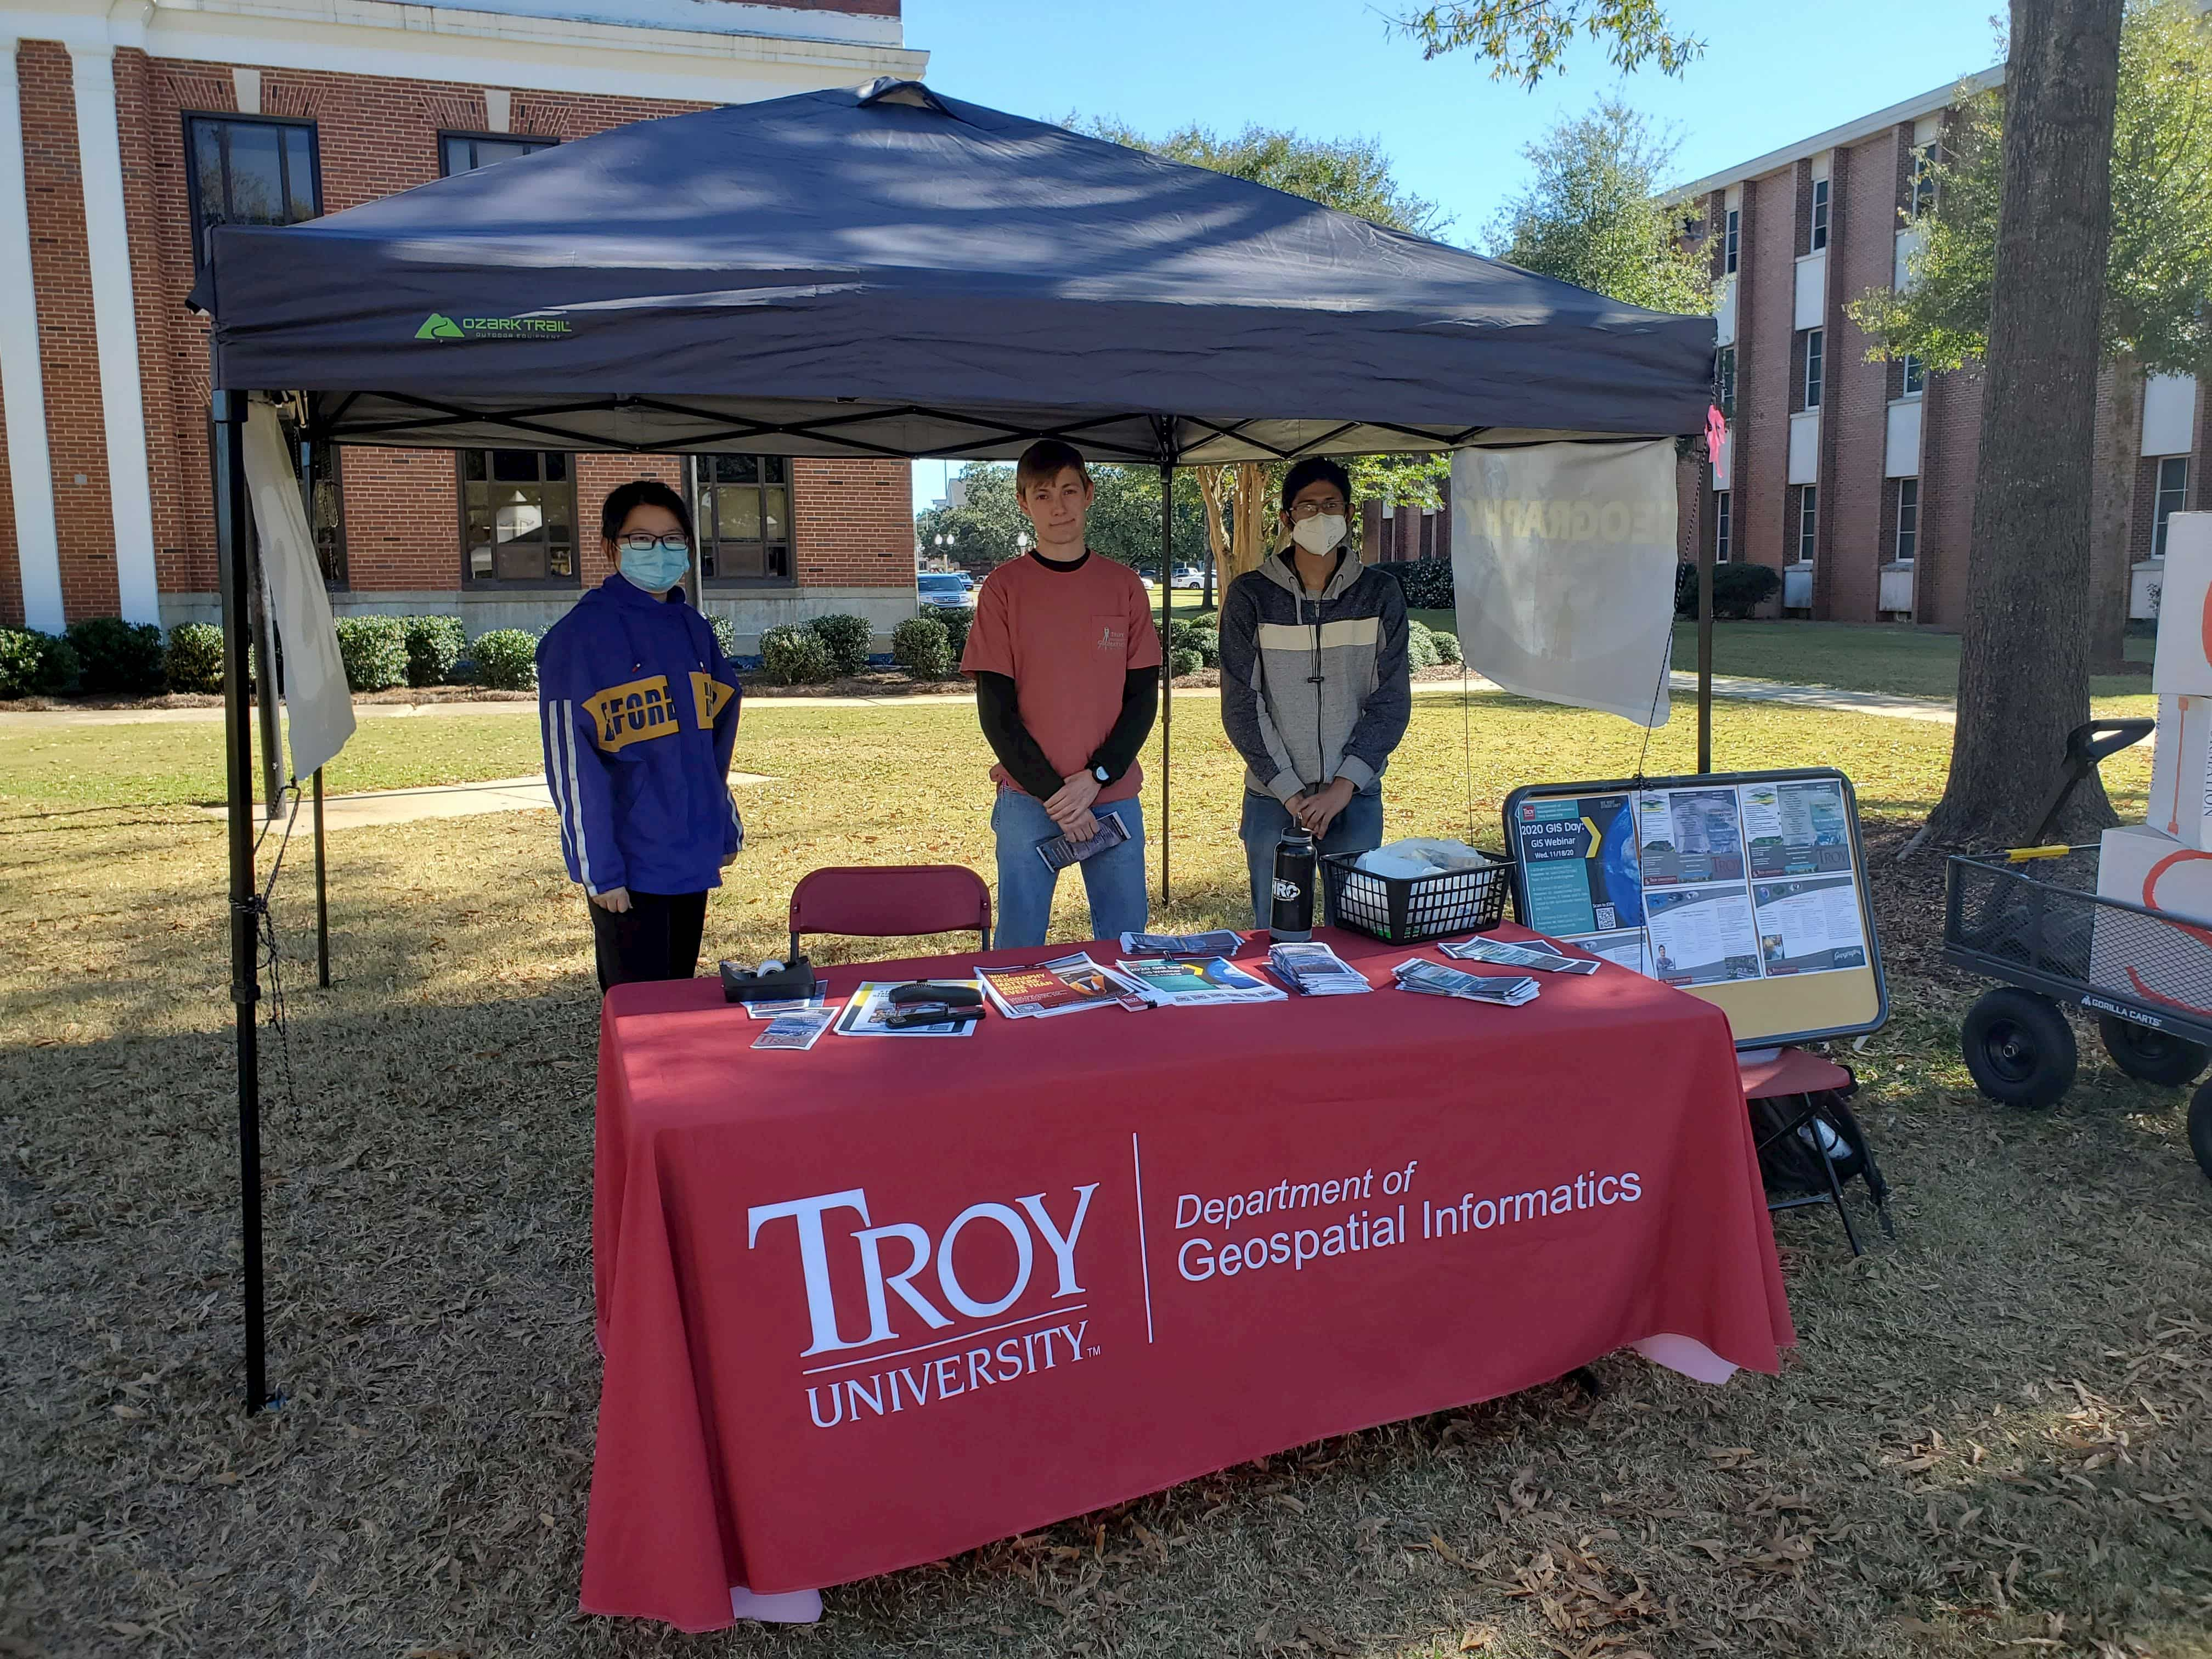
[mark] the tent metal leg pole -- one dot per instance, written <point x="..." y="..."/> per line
<point x="1167" y="663"/>
<point x="322" y="896"/>
<point x="1705" y="652"/>
<point x="264" y="688"/>
<point x="232" y="554"/>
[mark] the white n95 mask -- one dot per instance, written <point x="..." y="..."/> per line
<point x="1319" y="534"/>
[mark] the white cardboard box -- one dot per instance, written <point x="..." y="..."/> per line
<point x="2181" y="772"/>
<point x="2184" y="608"/>
<point x="2164" y="964"/>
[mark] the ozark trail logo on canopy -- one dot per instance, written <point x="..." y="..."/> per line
<point x="439" y="326"/>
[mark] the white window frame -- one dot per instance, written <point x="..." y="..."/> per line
<point x="1723" y="525"/>
<point x="2162" y="507"/>
<point x="1808" y="523"/>
<point x="1819" y="236"/>
<point x="1731" y="240"/>
<point x="1816" y="380"/>
<point x="1897" y="554"/>
<point x="1914" y="377"/>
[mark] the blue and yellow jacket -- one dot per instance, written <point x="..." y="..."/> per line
<point x="639" y="710"/>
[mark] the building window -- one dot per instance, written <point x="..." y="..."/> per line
<point x="2172" y="497"/>
<point x="1922" y="201"/>
<point x="1908" y="519"/>
<point x="1820" y="214"/>
<point x="1915" y="377"/>
<point x="1723" y="525"/>
<point x="518" y="517"/>
<point x="744" y="513"/>
<point x="1815" y="348"/>
<point x="1729" y="234"/>
<point x="248" y="171"/>
<point x="464" y="152"/>
<point x="1724" y="379"/>
<point x="1809" y="502"/>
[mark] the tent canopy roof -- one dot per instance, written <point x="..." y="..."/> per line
<point x="888" y="272"/>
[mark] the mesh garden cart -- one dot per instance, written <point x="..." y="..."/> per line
<point x="2051" y="939"/>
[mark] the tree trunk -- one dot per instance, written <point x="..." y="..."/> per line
<point x="2024" y="658"/>
<point x="2112" y="518"/>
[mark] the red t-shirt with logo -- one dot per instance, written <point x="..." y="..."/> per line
<point x="1067" y="637"/>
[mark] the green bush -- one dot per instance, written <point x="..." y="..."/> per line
<point x="1420" y="645"/>
<point x="506" y="659"/>
<point x="434" y="644"/>
<point x="33" y="664"/>
<point x="1201" y="634"/>
<point x="922" y="647"/>
<point x="792" y="655"/>
<point x="195" y="660"/>
<point x="726" y="635"/>
<point x="1447" y="649"/>
<point x="846" y="639"/>
<point x="955" y="619"/>
<point x="117" y="657"/>
<point x="1183" y="660"/>
<point x="1685" y="589"/>
<point x="1741" y="589"/>
<point x="373" y="650"/>
<point x="1427" y="582"/>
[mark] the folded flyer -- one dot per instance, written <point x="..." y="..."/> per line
<point x="1058" y="852"/>
<point x="801" y="1030"/>
<point x="1506" y="954"/>
<point x="787" y="1004"/>
<point x="1196" y="982"/>
<point x="1066" y="985"/>
<point x="1427" y="978"/>
<point x="871" y="1006"/>
<point x="1219" y="942"/>
<point x="1311" y="968"/>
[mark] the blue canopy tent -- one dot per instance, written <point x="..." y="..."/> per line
<point x="885" y="272"/>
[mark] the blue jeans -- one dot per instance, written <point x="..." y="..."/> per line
<point x="1113" y="880"/>
<point x="1357" y="828"/>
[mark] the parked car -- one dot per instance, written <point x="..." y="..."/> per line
<point x="945" y="587"/>
<point x="1188" y="576"/>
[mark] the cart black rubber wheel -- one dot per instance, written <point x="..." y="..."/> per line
<point x="2019" y="1046"/>
<point x="2151" y="1056"/>
<point x="2200" y="1127"/>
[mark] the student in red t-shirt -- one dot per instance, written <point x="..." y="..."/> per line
<point x="1067" y="663"/>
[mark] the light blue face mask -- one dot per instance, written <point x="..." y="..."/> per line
<point x="658" y="565"/>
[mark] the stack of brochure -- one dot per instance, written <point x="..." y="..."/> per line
<point x="1066" y="985"/>
<point x="1219" y="942"/>
<point x="1506" y="955"/>
<point x="1312" y="969"/>
<point x="1195" y="982"/>
<point x="1433" y="979"/>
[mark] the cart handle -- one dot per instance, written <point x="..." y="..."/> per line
<point x="2085" y="745"/>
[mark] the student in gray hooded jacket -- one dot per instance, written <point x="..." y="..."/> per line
<point x="1316" y="688"/>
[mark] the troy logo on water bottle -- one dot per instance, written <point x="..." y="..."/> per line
<point x="1288" y="889"/>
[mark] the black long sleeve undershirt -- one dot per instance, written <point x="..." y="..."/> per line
<point x="998" y="707"/>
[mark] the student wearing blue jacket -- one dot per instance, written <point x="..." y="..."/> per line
<point x="639" y="710"/>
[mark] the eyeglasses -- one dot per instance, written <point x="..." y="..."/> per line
<point x="638" y="541"/>
<point x="1333" y="507"/>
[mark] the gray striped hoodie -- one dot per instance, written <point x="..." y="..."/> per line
<point x="1313" y="690"/>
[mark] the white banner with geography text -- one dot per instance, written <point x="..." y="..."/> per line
<point x="1563" y="566"/>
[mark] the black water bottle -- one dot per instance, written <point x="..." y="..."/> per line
<point x="1291" y="918"/>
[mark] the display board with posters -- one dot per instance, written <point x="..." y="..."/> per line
<point x="1745" y="889"/>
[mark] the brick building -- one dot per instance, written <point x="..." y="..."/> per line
<point x="127" y="129"/>
<point x="1855" y="479"/>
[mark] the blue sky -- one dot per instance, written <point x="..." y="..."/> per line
<point x="1773" y="71"/>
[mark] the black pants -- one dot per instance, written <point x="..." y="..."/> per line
<point x="656" y="938"/>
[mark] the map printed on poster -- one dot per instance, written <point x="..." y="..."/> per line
<point x="1704" y="885"/>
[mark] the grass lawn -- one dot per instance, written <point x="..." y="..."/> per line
<point x="1910" y="662"/>
<point x="1995" y="1436"/>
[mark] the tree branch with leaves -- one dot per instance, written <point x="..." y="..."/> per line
<point x="1526" y="39"/>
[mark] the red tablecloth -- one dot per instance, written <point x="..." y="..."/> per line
<point x="1453" y="1201"/>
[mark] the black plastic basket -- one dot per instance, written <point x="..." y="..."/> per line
<point x="1407" y="909"/>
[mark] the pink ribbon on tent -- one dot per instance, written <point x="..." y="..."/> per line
<point x="1716" y="429"/>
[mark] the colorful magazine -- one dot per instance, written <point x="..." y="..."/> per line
<point x="1196" y="982"/>
<point x="1066" y="985"/>
<point x="871" y="1006"/>
<point x="1506" y="954"/>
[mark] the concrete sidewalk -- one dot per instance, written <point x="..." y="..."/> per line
<point x="1685" y="688"/>
<point x="451" y="800"/>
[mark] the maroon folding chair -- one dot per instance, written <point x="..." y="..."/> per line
<point x="891" y="901"/>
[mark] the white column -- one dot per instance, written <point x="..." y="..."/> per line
<point x="22" y="382"/>
<point x="115" y="326"/>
